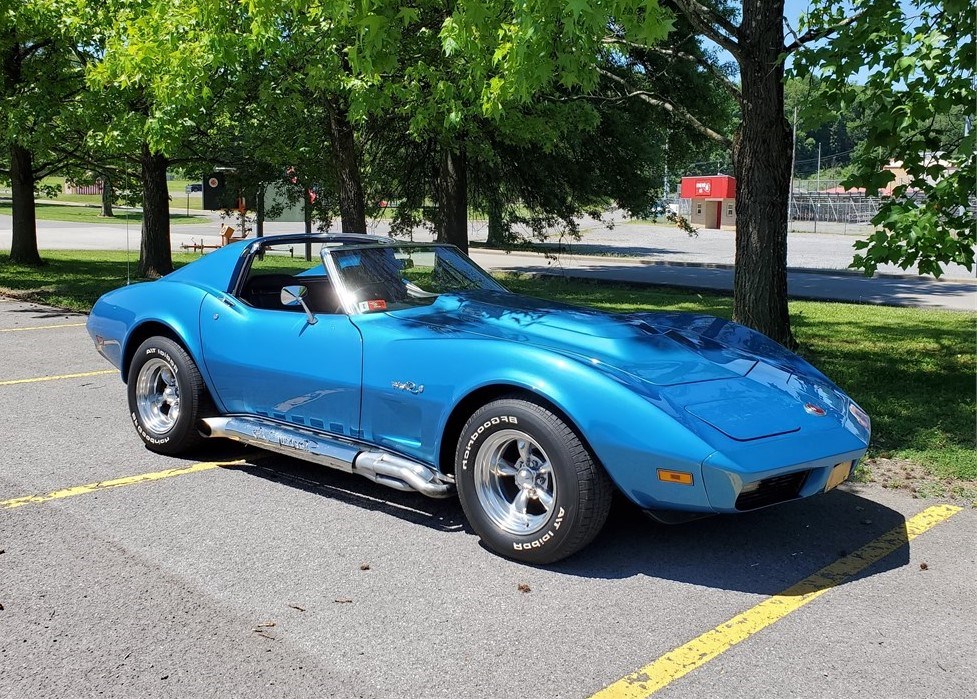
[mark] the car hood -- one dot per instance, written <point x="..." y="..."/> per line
<point x="700" y="369"/>
<point x="653" y="347"/>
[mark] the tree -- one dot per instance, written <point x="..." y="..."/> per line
<point x="287" y="53"/>
<point x="518" y="47"/>
<point x="838" y="133"/>
<point x="38" y="78"/>
<point x="910" y="70"/>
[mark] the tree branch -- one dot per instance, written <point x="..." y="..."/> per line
<point x="816" y="34"/>
<point x="712" y="68"/>
<point x="42" y="170"/>
<point x="669" y="107"/>
<point x="712" y="24"/>
<point x="29" y="51"/>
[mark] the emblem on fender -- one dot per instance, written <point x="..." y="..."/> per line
<point x="814" y="409"/>
<point x="408" y="386"/>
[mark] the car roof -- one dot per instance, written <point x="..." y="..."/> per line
<point x="335" y="238"/>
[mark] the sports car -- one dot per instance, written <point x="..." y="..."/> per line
<point x="411" y="366"/>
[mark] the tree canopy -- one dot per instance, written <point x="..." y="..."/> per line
<point x="909" y="70"/>
<point x="536" y="112"/>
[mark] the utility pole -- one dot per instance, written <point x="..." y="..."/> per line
<point x="817" y="199"/>
<point x="793" y="164"/>
<point x="665" y="191"/>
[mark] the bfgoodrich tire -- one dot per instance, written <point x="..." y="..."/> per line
<point x="166" y="396"/>
<point x="530" y="488"/>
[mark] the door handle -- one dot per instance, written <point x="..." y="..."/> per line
<point x="227" y="302"/>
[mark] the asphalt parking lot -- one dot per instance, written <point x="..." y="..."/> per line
<point x="125" y="573"/>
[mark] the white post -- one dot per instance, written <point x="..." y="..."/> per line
<point x="817" y="200"/>
<point x="793" y="160"/>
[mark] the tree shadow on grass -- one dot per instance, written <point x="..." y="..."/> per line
<point x="914" y="378"/>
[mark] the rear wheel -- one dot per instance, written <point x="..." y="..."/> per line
<point x="166" y="396"/>
<point x="530" y="488"/>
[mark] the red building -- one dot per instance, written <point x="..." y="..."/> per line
<point x="713" y="201"/>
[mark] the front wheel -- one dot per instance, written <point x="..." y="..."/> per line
<point x="529" y="487"/>
<point x="166" y="396"/>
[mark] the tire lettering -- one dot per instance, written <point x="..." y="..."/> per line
<point x="543" y="539"/>
<point x="145" y="435"/>
<point x="475" y="435"/>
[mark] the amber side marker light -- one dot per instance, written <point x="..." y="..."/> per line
<point x="674" y="476"/>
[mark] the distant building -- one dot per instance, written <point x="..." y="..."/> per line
<point x="713" y="201"/>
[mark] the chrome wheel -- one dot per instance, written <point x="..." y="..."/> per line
<point x="514" y="482"/>
<point x="157" y="396"/>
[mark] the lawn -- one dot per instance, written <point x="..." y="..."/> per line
<point x="913" y="370"/>
<point x="90" y="214"/>
<point x="176" y="189"/>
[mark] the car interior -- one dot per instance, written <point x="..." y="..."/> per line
<point x="264" y="291"/>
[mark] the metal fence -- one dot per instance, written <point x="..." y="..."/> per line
<point x="840" y="208"/>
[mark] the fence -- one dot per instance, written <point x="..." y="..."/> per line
<point x="841" y="208"/>
<point x="72" y="188"/>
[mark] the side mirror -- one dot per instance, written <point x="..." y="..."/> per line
<point x="295" y="296"/>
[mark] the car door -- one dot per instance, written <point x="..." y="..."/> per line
<point x="274" y="363"/>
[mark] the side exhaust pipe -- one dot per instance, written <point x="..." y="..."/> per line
<point x="379" y="466"/>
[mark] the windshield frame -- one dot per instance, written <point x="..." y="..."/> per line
<point x="349" y="303"/>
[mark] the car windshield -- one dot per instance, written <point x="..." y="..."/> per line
<point x="387" y="277"/>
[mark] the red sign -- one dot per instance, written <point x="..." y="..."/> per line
<point x="714" y="187"/>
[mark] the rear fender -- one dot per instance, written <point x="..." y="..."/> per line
<point x="178" y="318"/>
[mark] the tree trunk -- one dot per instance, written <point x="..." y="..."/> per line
<point x="108" y="196"/>
<point x="452" y="199"/>
<point x="155" y="258"/>
<point x="761" y="162"/>
<point x="307" y="215"/>
<point x="259" y="212"/>
<point x="23" y="246"/>
<point x="498" y="230"/>
<point x="352" y="210"/>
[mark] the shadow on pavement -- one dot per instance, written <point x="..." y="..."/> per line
<point x="762" y="552"/>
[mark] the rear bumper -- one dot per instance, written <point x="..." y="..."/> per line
<point x="106" y="336"/>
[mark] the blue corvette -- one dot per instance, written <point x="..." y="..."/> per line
<point x="411" y="366"/>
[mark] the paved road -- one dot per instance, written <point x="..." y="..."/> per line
<point x="637" y="253"/>
<point x="249" y="579"/>
<point x="889" y="290"/>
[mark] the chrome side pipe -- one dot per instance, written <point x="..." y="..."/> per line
<point x="379" y="466"/>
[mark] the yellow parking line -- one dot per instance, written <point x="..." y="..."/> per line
<point x="41" y="327"/>
<point x="115" y="483"/>
<point x="701" y="650"/>
<point x="62" y="376"/>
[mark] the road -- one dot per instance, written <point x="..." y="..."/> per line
<point x="265" y="576"/>
<point x="632" y="252"/>
<point x="890" y="290"/>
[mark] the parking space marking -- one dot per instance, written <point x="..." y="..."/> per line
<point x="42" y="327"/>
<point x="699" y="651"/>
<point x="115" y="483"/>
<point x="102" y="372"/>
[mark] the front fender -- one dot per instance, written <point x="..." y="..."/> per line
<point x="629" y="435"/>
<point x="413" y="382"/>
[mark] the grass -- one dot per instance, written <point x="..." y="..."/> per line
<point x="72" y="279"/>
<point x="176" y="189"/>
<point x="913" y="370"/>
<point x="86" y="214"/>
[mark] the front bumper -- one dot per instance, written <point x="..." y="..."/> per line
<point x="779" y="470"/>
